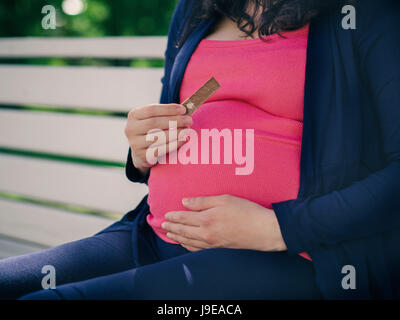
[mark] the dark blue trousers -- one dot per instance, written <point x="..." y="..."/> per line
<point x="103" y="267"/>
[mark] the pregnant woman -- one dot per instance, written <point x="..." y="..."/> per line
<point x="317" y="217"/>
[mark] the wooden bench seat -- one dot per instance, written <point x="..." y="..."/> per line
<point x="62" y="173"/>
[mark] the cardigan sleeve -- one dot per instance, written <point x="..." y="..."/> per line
<point x="132" y="173"/>
<point x="372" y="205"/>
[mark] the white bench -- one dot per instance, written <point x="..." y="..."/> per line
<point x="40" y="151"/>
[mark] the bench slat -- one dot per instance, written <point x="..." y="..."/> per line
<point x="101" y="188"/>
<point x="101" y="88"/>
<point x="46" y="226"/>
<point x="85" y="136"/>
<point x="11" y="247"/>
<point x="105" y="47"/>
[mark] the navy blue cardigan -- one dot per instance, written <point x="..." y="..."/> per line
<point x="348" y="208"/>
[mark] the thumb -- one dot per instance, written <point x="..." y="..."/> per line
<point x="201" y="203"/>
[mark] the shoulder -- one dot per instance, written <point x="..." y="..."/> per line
<point x="370" y="9"/>
<point x="178" y="21"/>
<point x="374" y="20"/>
<point x="375" y="17"/>
<point x="180" y="16"/>
<point x="367" y="12"/>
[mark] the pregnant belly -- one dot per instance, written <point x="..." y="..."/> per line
<point x="276" y="170"/>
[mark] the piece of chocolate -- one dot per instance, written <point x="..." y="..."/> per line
<point x="201" y="95"/>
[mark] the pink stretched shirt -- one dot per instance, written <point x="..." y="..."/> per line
<point x="262" y="88"/>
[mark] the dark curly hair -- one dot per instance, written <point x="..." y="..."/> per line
<point x="277" y="15"/>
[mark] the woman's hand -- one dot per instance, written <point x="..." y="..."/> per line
<point x="224" y="222"/>
<point x="143" y="119"/>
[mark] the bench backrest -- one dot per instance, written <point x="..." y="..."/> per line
<point x="67" y="160"/>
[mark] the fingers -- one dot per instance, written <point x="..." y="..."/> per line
<point x="151" y="154"/>
<point x="167" y="137"/>
<point x="204" y="203"/>
<point x="190" y="232"/>
<point x="145" y="125"/>
<point x="156" y="110"/>
<point x="161" y="138"/>
<point x="185" y="217"/>
<point x="149" y="133"/>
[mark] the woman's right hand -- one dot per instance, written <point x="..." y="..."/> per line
<point x="155" y="116"/>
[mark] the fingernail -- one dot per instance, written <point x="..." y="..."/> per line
<point x="181" y="109"/>
<point x="187" y="201"/>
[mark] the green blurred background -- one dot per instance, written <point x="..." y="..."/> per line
<point x="87" y="18"/>
<point x="80" y="18"/>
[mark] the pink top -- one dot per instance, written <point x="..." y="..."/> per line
<point x="262" y="88"/>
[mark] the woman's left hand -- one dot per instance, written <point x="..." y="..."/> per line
<point x="224" y="222"/>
